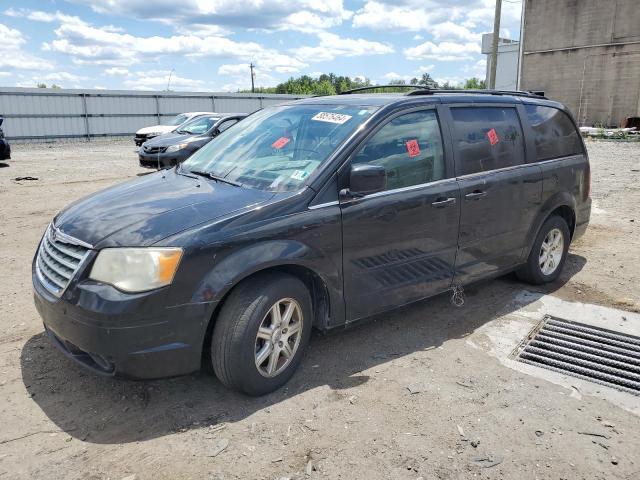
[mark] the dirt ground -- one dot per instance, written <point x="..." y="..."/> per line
<point x="348" y="412"/>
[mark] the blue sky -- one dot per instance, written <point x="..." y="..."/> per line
<point x="134" y="44"/>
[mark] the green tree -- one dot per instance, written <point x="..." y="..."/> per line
<point x="42" y="85"/>
<point x="474" y="84"/>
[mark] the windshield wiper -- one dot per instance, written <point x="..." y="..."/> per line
<point x="215" y="177"/>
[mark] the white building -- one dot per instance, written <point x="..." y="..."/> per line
<point x="507" y="68"/>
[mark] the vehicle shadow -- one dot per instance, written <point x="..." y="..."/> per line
<point x="113" y="411"/>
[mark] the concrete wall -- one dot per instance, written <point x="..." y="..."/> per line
<point x="586" y="54"/>
<point x="36" y="113"/>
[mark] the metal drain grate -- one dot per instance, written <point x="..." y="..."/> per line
<point x="591" y="353"/>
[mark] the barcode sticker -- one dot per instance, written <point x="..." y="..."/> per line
<point x="338" y="118"/>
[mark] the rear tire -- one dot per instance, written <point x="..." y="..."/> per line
<point x="261" y="333"/>
<point x="548" y="253"/>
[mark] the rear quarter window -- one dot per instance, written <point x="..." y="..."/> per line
<point x="486" y="138"/>
<point x="554" y="133"/>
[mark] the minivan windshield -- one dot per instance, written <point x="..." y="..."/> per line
<point x="277" y="148"/>
<point x="198" y="126"/>
<point x="177" y="120"/>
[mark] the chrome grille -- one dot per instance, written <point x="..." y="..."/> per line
<point x="58" y="259"/>
<point x="148" y="149"/>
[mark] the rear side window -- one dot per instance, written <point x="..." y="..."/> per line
<point x="409" y="147"/>
<point x="487" y="138"/>
<point x="554" y="133"/>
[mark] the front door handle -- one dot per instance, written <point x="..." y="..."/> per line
<point x="443" y="203"/>
<point x="476" y="194"/>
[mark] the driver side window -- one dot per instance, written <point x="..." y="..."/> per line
<point x="409" y="147"/>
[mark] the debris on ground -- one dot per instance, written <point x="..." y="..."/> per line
<point x="487" y="461"/>
<point x="220" y="447"/>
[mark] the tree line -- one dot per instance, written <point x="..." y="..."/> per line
<point x="332" y="84"/>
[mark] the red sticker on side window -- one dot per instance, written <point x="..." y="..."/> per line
<point x="492" y="135"/>
<point x="413" y="148"/>
<point x="281" y="142"/>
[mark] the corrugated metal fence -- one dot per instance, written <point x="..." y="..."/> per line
<point x="36" y="113"/>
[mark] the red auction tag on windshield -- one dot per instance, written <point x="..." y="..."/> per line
<point x="413" y="148"/>
<point x="492" y="135"/>
<point x="281" y="142"/>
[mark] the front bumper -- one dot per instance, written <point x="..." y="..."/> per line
<point x="118" y="334"/>
<point x="139" y="139"/>
<point x="163" y="160"/>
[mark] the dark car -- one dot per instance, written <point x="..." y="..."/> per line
<point x="312" y="214"/>
<point x="5" y="148"/>
<point x="169" y="149"/>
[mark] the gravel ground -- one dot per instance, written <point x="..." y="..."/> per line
<point x="348" y="412"/>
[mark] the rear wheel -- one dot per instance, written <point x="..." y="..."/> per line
<point x="261" y="333"/>
<point x="548" y="254"/>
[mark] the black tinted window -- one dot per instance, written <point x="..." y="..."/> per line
<point x="409" y="147"/>
<point x="554" y="133"/>
<point x="487" y="138"/>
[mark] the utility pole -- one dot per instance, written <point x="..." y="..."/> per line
<point x="494" y="45"/>
<point x="253" y="88"/>
<point x="521" y="47"/>
<point x="169" y="81"/>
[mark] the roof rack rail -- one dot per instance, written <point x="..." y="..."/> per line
<point x="515" y="93"/>
<point x="375" y="87"/>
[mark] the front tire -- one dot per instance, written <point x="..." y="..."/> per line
<point x="261" y="333"/>
<point x="548" y="254"/>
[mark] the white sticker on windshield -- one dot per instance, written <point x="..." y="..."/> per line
<point x="298" y="175"/>
<point x="338" y="118"/>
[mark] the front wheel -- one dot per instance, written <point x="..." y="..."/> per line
<point x="548" y="254"/>
<point x="261" y="333"/>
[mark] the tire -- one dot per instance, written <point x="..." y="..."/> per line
<point x="536" y="272"/>
<point x="235" y="345"/>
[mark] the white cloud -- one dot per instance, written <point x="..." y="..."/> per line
<point x="380" y="16"/>
<point x="117" y="71"/>
<point x="89" y="44"/>
<point x="13" y="56"/>
<point x="303" y="15"/>
<point x="453" y="31"/>
<point x="426" y="68"/>
<point x="159" y="79"/>
<point x="332" y="46"/>
<point x="430" y="15"/>
<point x="5" y="74"/>
<point x="444" y="51"/>
<point x="235" y="69"/>
<point x="62" y="77"/>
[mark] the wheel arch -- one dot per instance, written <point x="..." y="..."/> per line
<point x="320" y="298"/>
<point x="562" y="204"/>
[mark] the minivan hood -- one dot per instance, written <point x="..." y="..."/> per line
<point x="146" y="210"/>
<point x="156" y="128"/>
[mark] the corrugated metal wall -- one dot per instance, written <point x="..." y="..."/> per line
<point x="34" y="113"/>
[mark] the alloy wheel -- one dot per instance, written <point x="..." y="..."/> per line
<point x="551" y="251"/>
<point x="278" y="337"/>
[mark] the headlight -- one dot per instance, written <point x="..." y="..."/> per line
<point x="175" y="148"/>
<point x="136" y="269"/>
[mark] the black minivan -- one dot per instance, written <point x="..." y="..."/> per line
<point x="311" y="214"/>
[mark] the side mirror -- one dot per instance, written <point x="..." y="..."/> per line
<point x="365" y="179"/>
